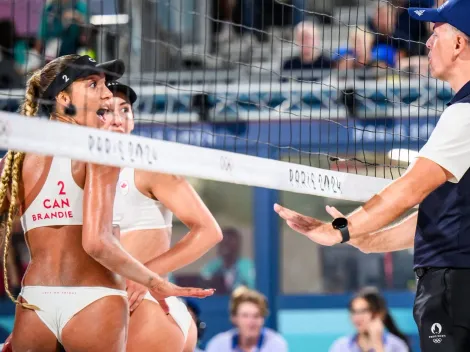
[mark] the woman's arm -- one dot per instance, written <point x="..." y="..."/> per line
<point x="204" y="232"/>
<point x="98" y="239"/>
<point x="100" y="243"/>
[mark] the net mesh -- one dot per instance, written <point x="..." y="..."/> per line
<point x="337" y="89"/>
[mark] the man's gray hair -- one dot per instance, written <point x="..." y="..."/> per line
<point x="458" y="31"/>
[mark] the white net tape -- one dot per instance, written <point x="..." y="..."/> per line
<point x="45" y="137"/>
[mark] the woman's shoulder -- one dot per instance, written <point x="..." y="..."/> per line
<point x="341" y="344"/>
<point x="396" y="342"/>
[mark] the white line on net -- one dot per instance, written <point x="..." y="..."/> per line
<point x="46" y="137"/>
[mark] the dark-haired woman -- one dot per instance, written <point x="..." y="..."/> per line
<point x="375" y="328"/>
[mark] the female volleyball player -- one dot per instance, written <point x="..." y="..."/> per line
<point x="143" y="208"/>
<point x="70" y="292"/>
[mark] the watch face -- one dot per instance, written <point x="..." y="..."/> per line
<point x="340" y="223"/>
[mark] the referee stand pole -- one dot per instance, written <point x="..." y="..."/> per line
<point x="266" y="236"/>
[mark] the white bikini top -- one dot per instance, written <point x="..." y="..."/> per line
<point x="60" y="201"/>
<point x="135" y="211"/>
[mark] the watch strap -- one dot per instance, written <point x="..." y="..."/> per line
<point x="345" y="234"/>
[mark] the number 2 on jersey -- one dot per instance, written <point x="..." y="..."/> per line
<point x="62" y="186"/>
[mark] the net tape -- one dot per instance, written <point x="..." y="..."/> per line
<point x="114" y="149"/>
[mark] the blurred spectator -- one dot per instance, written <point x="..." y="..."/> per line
<point x="383" y="56"/>
<point x="363" y="51"/>
<point x="195" y="312"/>
<point x="9" y="76"/>
<point x="375" y="44"/>
<point x="61" y="27"/>
<point x="306" y="35"/>
<point x="229" y="270"/>
<point x="383" y="24"/>
<point x="419" y="32"/>
<point x="248" y="309"/>
<point x="358" y="52"/>
<point x="345" y="59"/>
<point x="370" y="317"/>
<point x="257" y="16"/>
<point x="412" y="31"/>
<point x="222" y="12"/>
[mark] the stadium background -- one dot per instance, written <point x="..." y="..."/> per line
<point x="181" y="54"/>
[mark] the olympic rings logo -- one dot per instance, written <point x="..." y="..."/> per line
<point x="226" y="164"/>
<point x="438" y="340"/>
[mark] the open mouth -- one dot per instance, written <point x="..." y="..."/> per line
<point x="101" y="113"/>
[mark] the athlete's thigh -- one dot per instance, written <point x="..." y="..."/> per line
<point x="191" y="340"/>
<point x="150" y="329"/>
<point x="101" y="326"/>
<point x="30" y="334"/>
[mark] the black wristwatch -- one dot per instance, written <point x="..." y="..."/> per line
<point x="341" y="224"/>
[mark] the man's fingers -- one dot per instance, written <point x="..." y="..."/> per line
<point x="294" y="217"/>
<point x="296" y="227"/>
<point x="286" y="213"/>
<point x="334" y="212"/>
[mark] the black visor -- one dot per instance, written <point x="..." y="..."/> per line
<point x="82" y="67"/>
<point x="117" y="87"/>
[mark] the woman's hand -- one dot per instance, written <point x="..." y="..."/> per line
<point x="135" y="294"/>
<point x="376" y="331"/>
<point x="161" y="289"/>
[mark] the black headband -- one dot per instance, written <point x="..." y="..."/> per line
<point x="82" y="67"/>
<point x="117" y="87"/>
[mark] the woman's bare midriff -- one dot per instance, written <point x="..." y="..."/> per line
<point x="57" y="254"/>
<point x="145" y="245"/>
<point x="58" y="259"/>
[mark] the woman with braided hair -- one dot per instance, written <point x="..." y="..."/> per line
<point x="73" y="290"/>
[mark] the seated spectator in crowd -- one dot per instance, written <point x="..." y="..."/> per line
<point x="345" y="59"/>
<point x="10" y="77"/>
<point x="306" y="35"/>
<point x="383" y="56"/>
<point x="248" y="309"/>
<point x="419" y="31"/>
<point x="362" y="51"/>
<point x="60" y="27"/>
<point x="383" y="25"/>
<point x="358" y="51"/>
<point x="229" y="270"/>
<point x="195" y="312"/>
<point x="370" y="317"/>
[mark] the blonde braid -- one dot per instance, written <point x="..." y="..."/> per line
<point x="6" y="174"/>
<point x="12" y="211"/>
<point x="11" y="176"/>
<point x="30" y="105"/>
